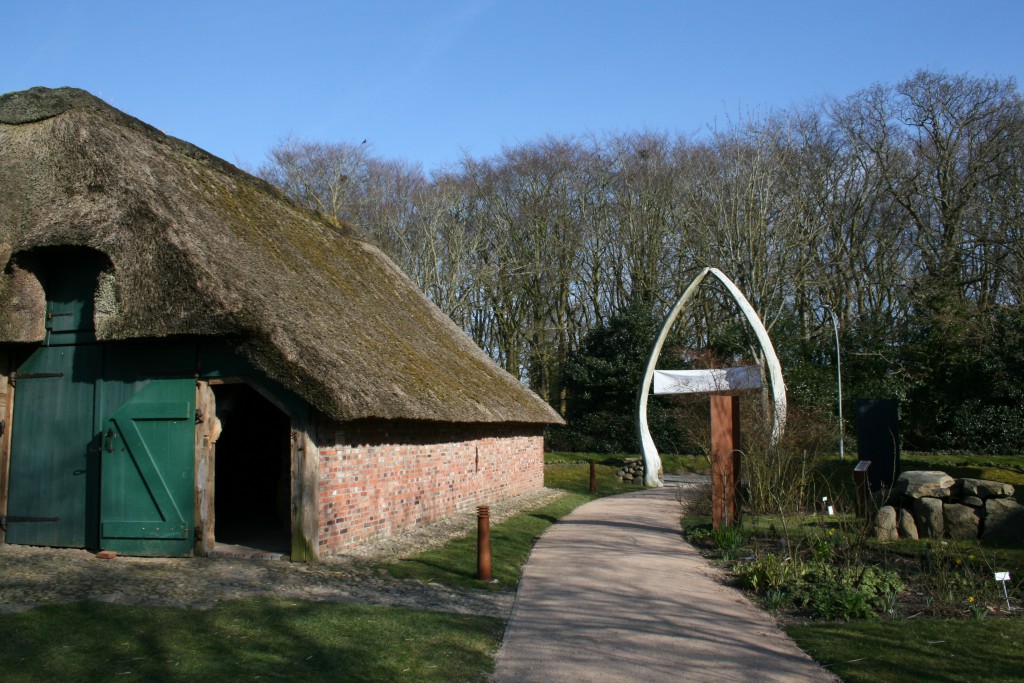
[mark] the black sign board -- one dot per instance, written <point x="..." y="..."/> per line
<point x="878" y="440"/>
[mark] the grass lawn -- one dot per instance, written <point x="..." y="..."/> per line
<point x="512" y="540"/>
<point x="931" y="650"/>
<point x="291" y="640"/>
<point x="288" y="640"/>
<point x="245" y="640"/>
<point x="671" y="464"/>
<point x="511" y="543"/>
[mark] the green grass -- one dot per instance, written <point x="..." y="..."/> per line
<point x="512" y="540"/>
<point x="576" y="479"/>
<point x="293" y="640"/>
<point x="919" y="461"/>
<point x="671" y="463"/>
<point x="917" y="650"/>
<point x="245" y="640"/>
<point x="511" y="543"/>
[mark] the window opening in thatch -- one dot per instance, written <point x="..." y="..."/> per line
<point x="252" y="489"/>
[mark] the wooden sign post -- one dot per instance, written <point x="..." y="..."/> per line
<point x="723" y="386"/>
<point x="725" y="459"/>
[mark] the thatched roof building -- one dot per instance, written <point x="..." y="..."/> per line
<point x="169" y="322"/>
<point x="199" y="247"/>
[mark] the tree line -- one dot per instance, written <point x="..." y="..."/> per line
<point x="898" y="208"/>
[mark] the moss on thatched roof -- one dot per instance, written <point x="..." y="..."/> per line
<point x="199" y="247"/>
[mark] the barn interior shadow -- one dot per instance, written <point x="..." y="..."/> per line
<point x="252" y="499"/>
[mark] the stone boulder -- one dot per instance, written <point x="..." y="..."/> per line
<point x="923" y="484"/>
<point x="632" y="470"/>
<point x="906" y="525"/>
<point x="928" y="515"/>
<point x="1004" y="521"/>
<point x="984" y="488"/>
<point x="885" y="524"/>
<point x="961" y="522"/>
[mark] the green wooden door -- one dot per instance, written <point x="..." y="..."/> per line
<point x="148" y="470"/>
<point x="53" y="493"/>
<point x="70" y="284"/>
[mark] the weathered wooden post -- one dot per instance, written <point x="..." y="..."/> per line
<point x="483" y="543"/>
<point x="725" y="459"/>
<point x="593" y="477"/>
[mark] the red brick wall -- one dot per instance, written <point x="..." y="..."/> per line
<point x="381" y="477"/>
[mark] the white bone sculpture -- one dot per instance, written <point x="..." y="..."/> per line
<point x="725" y="381"/>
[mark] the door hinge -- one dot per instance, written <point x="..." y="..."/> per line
<point x="17" y="376"/>
<point x="4" y="519"/>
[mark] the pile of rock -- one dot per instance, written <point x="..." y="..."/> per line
<point x="631" y="470"/>
<point x="935" y="505"/>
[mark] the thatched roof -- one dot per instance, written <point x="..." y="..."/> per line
<point x="199" y="247"/>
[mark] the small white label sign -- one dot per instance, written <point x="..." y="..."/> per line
<point x="1002" y="576"/>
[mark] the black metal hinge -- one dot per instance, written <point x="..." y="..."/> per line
<point x="17" y="376"/>
<point x="4" y="519"/>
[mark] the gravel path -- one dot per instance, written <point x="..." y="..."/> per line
<point x="31" y="576"/>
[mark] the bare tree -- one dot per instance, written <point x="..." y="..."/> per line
<point x="323" y="176"/>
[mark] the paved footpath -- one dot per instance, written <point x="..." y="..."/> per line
<point x="613" y="593"/>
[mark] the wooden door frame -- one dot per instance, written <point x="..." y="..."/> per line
<point x="7" y="415"/>
<point x="304" y="472"/>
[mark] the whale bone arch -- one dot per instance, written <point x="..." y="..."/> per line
<point x="652" y="460"/>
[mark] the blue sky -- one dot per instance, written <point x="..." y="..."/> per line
<point x="428" y="81"/>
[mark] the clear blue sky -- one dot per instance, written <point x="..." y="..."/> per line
<point x="426" y="80"/>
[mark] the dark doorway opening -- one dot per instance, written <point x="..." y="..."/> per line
<point x="252" y="480"/>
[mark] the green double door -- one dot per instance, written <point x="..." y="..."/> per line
<point x="102" y="456"/>
<point x="102" y="442"/>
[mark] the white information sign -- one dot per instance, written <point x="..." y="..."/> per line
<point x="714" y="381"/>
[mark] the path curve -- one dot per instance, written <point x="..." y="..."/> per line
<point x="613" y="593"/>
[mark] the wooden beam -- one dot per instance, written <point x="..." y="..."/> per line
<point x="207" y="431"/>
<point x="7" y="415"/>
<point x="305" y="473"/>
<point x="725" y="459"/>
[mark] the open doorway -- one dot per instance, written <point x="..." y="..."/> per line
<point x="252" y="501"/>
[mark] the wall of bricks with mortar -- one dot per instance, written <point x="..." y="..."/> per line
<point x="382" y="477"/>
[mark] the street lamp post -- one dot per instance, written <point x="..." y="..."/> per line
<point x="839" y="378"/>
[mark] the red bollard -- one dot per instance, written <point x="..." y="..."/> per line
<point x="483" y="543"/>
<point x="593" y="478"/>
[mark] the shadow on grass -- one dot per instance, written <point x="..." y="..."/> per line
<point x="268" y="639"/>
<point x="911" y="650"/>
<point x="550" y="519"/>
